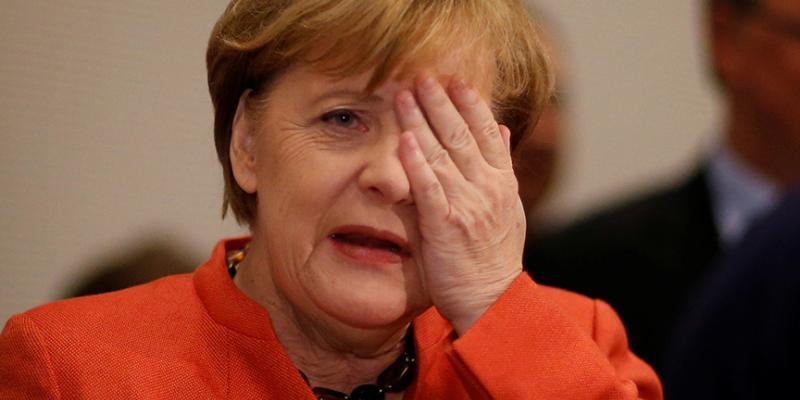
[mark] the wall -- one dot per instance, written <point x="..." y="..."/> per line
<point x="106" y="124"/>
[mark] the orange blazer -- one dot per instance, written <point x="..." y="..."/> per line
<point x="197" y="336"/>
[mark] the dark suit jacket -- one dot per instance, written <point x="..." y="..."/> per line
<point x="643" y="257"/>
<point x="739" y="339"/>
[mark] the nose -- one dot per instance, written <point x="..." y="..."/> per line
<point x="383" y="177"/>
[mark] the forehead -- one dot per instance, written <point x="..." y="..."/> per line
<point x="475" y="66"/>
<point x="471" y="66"/>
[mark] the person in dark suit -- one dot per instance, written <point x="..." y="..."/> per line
<point x="738" y="339"/>
<point x="646" y="255"/>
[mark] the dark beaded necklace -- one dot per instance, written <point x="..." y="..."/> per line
<point x="393" y="379"/>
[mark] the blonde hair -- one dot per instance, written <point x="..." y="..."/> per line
<point x="255" y="40"/>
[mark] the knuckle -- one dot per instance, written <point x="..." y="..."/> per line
<point x="432" y="188"/>
<point x="493" y="194"/>
<point x="459" y="138"/>
<point x="438" y="158"/>
<point x="482" y="223"/>
<point x="489" y="128"/>
<point x="463" y="223"/>
<point x="474" y="221"/>
<point x="510" y="181"/>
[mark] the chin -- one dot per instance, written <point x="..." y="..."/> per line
<point x="365" y="304"/>
<point x="369" y="316"/>
<point x="364" y="298"/>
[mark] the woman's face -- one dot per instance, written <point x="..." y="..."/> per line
<point x="336" y="221"/>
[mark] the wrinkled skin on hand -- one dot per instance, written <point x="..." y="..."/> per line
<point x="470" y="216"/>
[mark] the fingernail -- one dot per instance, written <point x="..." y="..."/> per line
<point x="427" y="83"/>
<point x="459" y="85"/>
<point x="463" y="90"/>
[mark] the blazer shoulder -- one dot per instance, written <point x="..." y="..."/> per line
<point x="120" y="342"/>
<point x="113" y="313"/>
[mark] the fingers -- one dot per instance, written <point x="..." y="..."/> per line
<point x="506" y="133"/>
<point x="412" y="119"/>
<point x="480" y="119"/>
<point x="453" y="132"/>
<point x="429" y="196"/>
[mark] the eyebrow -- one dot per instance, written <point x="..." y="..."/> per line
<point x="358" y="95"/>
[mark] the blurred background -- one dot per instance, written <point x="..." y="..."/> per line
<point x="107" y="144"/>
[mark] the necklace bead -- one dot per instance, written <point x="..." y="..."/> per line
<point x="322" y="393"/>
<point x="367" y="392"/>
<point x="395" y="378"/>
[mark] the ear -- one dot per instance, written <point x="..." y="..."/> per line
<point x="242" y="151"/>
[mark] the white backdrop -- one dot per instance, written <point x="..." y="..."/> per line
<point x="107" y="129"/>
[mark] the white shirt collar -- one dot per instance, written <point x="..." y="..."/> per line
<point x="739" y="194"/>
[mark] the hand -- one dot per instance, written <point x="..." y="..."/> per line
<point x="470" y="217"/>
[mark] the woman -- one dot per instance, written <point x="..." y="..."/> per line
<point x="360" y="143"/>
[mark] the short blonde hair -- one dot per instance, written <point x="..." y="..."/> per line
<point x="255" y="40"/>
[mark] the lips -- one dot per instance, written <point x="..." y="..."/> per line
<point x="368" y="245"/>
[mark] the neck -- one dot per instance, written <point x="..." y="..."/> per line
<point x="763" y="147"/>
<point x="331" y="354"/>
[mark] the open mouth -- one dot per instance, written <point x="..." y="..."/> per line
<point x="370" y="245"/>
<point x="366" y="241"/>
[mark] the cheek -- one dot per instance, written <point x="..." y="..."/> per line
<point x="298" y="185"/>
<point x="286" y="165"/>
<point x="299" y="182"/>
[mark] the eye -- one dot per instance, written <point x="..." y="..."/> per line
<point x="343" y="119"/>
